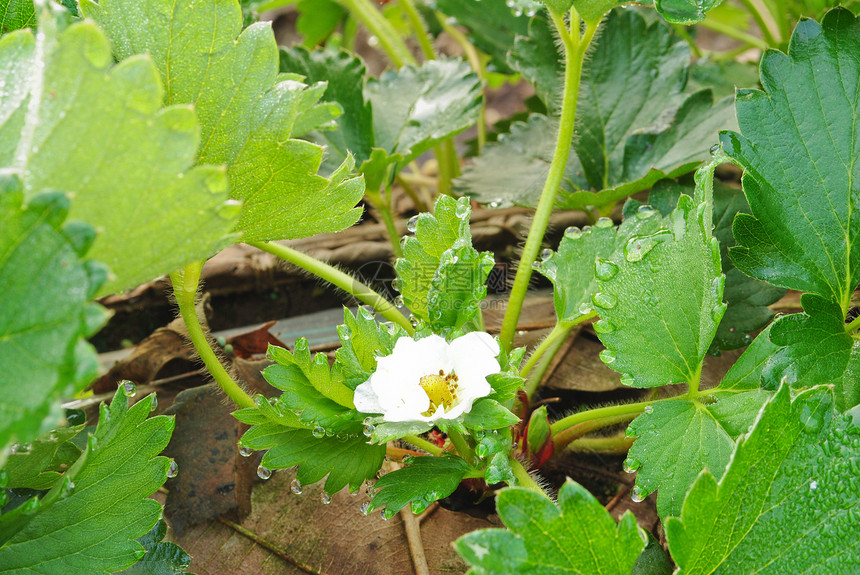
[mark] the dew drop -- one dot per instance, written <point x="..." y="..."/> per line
<point x="263" y="472"/>
<point x="585" y="308"/>
<point x="129" y="387"/>
<point x="230" y="209"/>
<point x="398" y="301"/>
<point x="318" y="432"/>
<point x="573" y="233"/>
<point x="546" y="254"/>
<point x="627" y="379"/>
<point x="649" y="409"/>
<point x="714" y="149"/>
<point x="604" y="326"/>
<point x="607" y="357"/>
<point x="173" y="470"/>
<point x="326" y="498"/>
<point x="718" y="312"/>
<point x="296" y="487"/>
<point x="481" y="450"/>
<point x="387" y="514"/>
<point x="462" y="209"/>
<point x="259" y="400"/>
<point x="603" y="223"/>
<point x="638" y="247"/>
<point x="22" y="448"/>
<point x="494" y="204"/>
<point x="154" y="402"/>
<point x="245" y="451"/>
<point x="604" y="300"/>
<point x="604" y="269"/>
<point x="637" y="495"/>
<point x="631" y="465"/>
<point x="364" y="508"/>
<point x="644" y="212"/>
<point x="412" y="224"/>
<point x="418" y="506"/>
<point x="813" y="485"/>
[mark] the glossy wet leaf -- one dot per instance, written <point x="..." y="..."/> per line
<point x="747" y="298"/>
<point x="441" y="276"/>
<point x="816" y="349"/>
<point x="489" y="414"/>
<point x="492" y="26"/>
<point x="797" y="146"/>
<point x="42" y="331"/>
<point x="74" y="122"/>
<point x="635" y="122"/>
<point x="342" y="460"/>
<point x="162" y="557"/>
<point x="576" y="536"/>
<point x="91" y="518"/>
<point x="363" y="340"/>
<point x="47" y="458"/>
<point x="247" y="112"/>
<point x="423" y="481"/>
<point x="788" y="502"/>
<point x="660" y="311"/>
<point x="685" y="11"/>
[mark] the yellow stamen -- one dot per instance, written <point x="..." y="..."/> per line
<point x="441" y="389"/>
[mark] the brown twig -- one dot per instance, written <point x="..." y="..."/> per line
<point x="416" y="546"/>
<point x="269" y="546"/>
<point x="614" y="501"/>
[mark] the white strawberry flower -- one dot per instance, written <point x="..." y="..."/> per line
<point x="430" y="379"/>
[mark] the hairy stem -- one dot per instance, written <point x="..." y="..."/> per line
<point x="614" y="444"/>
<point x="389" y="40"/>
<point x="523" y="477"/>
<point x="461" y="445"/>
<point x="424" y="40"/>
<point x="339" y="279"/>
<point x="421" y="443"/>
<point x="574" y="54"/>
<point x="383" y="210"/>
<point x="575" y="432"/>
<point x="185" y="283"/>
<point x="611" y="411"/>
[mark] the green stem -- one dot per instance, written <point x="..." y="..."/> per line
<point x="731" y="32"/>
<point x="682" y="32"/>
<point x="420" y="443"/>
<point x="613" y="444"/>
<point x="462" y="446"/>
<point x="523" y="477"/>
<point x="550" y="344"/>
<point x="446" y="175"/>
<point x="339" y="279"/>
<point x="759" y="20"/>
<point x="574" y="54"/>
<point x="185" y="283"/>
<point x="600" y="413"/>
<point x="413" y="195"/>
<point x="853" y="326"/>
<point x="376" y="23"/>
<point x="383" y="209"/>
<point x="566" y="437"/>
<point x="419" y="28"/>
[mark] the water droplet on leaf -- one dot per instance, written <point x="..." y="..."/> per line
<point x="318" y="432"/>
<point x="637" y="494"/>
<point x="296" y="487"/>
<point x="326" y="498"/>
<point x="638" y="247"/>
<point x="546" y="254"/>
<point x="573" y="233"/>
<point x="604" y="300"/>
<point x="603" y="223"/>
<point x="607" y="357"/>
<point x="462" y="209"/>
<point x="418" y="506"/>
<point x="631" y="465"/>
<point x="412" y="224"/>
<point x="129" y="387"/>
<point x="645" y="211"/>
<point x="605" y="269"/>
<point x="245" y="451"/>
<point x="364" y="508"/>
<point x="173" y="470"/>
<point x="603" y="326"/>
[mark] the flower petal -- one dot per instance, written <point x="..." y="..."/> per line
<point x="365" y="398"/>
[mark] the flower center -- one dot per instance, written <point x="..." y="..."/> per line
<point x="441" y="389"/>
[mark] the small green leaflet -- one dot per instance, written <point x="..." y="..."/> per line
<point x="89" y="521"/>
<point x="247" y="112"/>
<point x="423" y="481"/>
<point x="73" y="122"/>
<point x="660" y="310"/>
<point x="635" y="123"/>
<point x="747" y="298"/>
<point x="43" y="331"/>
<point x="441" y="276"/>
<point x="363" y="340"/>
<point x="577" y="536"/>
<point x="42" y="465"/>
<point x="162" y="557"/>
<point x="798" y="148"/>
<point x="788" y="502"/>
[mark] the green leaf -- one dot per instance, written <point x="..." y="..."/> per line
<point x="816" y="350"/>
<point x="162" y="557"/>
<point x="747" y="298"/>
<point x="42" y="331"/>
<point x="385" y="432"/>
<point x="97" y="132"/>
<point x="441" y="276"/>
<point x="42" y="465"/>
<point x="537" y="58"/>
<point x="660" y="310"/>
<point x="723" y="77"/>
<point x="634" y="126"/>
<point x="89" y="521"/>
<point x="247" y="113"/>
<point x="505" y="385"/>
<point x="317" y="20"/>
<point x="576" y="536"/>
<point x="797" y="146"/>
<point x="346" y="460"/>
<point x="788" y="502"/>
<point x="316" y="370"/>
<point x="17" y="14"/>
<point x="363" y="340"/>
<point x="685" y="11"/>
<point x="424" y="481"/>
<point x="489" y="414"/>
<point x="492" y="26"/>
<point x="344" y="75"/>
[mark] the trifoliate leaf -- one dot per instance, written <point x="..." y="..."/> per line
<point x="788" y="502"/>
<point x="492" y="26"/>
<point x="441" y="276"/>
<point x="747" y="298"/>
<point x="42" y="331"/>
<point x="415" y="108"/>
<point x="489" y="414"/>
<point x="634" y="126"/>
<point x="817" y="350"/>
<point x="89" y="521"/>
<point x="346" y="460"/>
<point x="71" y="121"/>
<point x="797" y="146"/>
<point x="43" y="462"/>
<point x="162" y="557"/>
<point x="660" y="310"/>
<point x="363" y="340"/>
<point x="685" y="11"/>
<point x="247" y="115"/>
<point x="423" y="481"/>
<point x="577" y="536"/>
